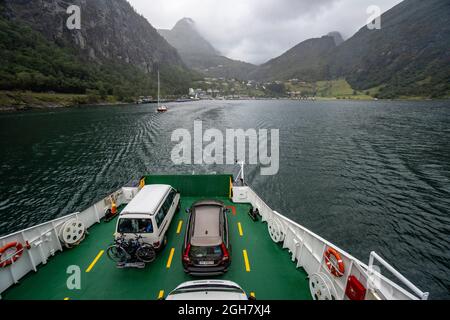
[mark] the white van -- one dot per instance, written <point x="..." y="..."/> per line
<point x="149" y="214"/>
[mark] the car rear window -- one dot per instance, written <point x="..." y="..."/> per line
<point x="128" y="225"/>
<point x="205" y="252"/>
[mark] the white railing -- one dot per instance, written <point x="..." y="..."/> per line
<point x="44" y="238"/>
<point x="372" y="270"/>
<point x="308" y="250"/>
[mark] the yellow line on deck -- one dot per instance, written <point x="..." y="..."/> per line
<point x="95" y="260"/>
<point x="247" y="264"/>
<point x="180" y="224"/>
<point x="252" y="294"/>
<point x="241" y="233"/>
<point x="161" y="294"/>
<point x="66" y="298"/>
<point x="169" y="262"/>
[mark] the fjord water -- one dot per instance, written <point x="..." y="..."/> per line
<point x="364" y="175"/>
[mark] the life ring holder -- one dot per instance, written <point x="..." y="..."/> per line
<point x="12" y="258"/>
<point x="334" y="262"/>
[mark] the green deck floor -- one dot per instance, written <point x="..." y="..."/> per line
<point x="272" y="275"/>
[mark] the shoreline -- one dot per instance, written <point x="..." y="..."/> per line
<point x="48" y="107"/>
<point x="21" y="101"/>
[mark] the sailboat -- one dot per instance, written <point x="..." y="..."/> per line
<point x="161" y="108"/>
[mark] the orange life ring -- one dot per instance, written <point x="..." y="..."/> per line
<point x="337" y="269"/>
<point x="17" y="254"/>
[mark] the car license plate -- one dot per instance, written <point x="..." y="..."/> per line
<point x="206" y="263"/>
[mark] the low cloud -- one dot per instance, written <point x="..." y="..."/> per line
<point x="258" y="30"/>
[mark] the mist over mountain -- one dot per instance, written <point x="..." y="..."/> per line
<point x="337" y="36"/>
<point x="187" y="40"/>
<point x="408" y="56"/>
<point x="306" y="61"/>
<point x="200" y="55"/>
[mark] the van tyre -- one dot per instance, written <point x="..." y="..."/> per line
<point x="164" y="243"/>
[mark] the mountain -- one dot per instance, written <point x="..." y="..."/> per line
<point x="187" y="40"/>
<point x="306" y="61"/>
<point x="200" y="55"/>
<point x="409" y="55"/>
<point x="116" y="50"/>
<point x="337" y="36"/>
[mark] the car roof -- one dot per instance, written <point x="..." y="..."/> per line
<point x="208" y="295"/>
<point x="147" y="200"/>
<point x="208" y="289"/>
<point x="206" y="224"/>
<point x="215" y="282"/>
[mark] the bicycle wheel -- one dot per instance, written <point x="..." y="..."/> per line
<point x="117" y="254"/>
<point x="146" y="254"/>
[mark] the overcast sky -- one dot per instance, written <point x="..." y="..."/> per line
<point x="258" y="30"/>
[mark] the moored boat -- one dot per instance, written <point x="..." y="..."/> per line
<point x="160" y="108"/>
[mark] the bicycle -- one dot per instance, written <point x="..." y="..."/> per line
<point x="124" y="250"/>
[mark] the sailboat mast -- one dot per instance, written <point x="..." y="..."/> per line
<point x="158" y="88"/>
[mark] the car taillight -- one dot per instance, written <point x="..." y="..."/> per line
<point x="156" y="244"/>
<point x="186" y="254"/>
<point x="226" y="255"/>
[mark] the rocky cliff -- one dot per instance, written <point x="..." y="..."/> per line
<point x="116" y="49"/>
<point x="109" y="30"/>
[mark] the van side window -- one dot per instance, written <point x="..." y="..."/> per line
<point x="171" y="196"/>
<point x="225" y="229"/>
<point x="166" y="205"/>
<point x="164" y="210"/>
<point x="160" y="216"/>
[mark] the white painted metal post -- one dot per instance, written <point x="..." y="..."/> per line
<point x="409" y="284"/>
<point x="96" y="213"/>
<point x="30" y="256"/>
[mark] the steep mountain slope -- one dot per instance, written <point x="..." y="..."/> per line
<point x="200" y="55"/>
<point x="115" y="48"/>
<point x="409" y="55"/>
<point x="306" y="61"/>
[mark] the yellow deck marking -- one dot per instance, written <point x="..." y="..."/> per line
<point x="161" y="294"/>
<point x="95" y="261"/>
<point x="169" y="262"/>
<point x="66" y="298"/>
<point x="247" y="264"/>
<point x="252" y="294"/>
<point x="241" y="233"/>
<point x="180" y="224"/>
